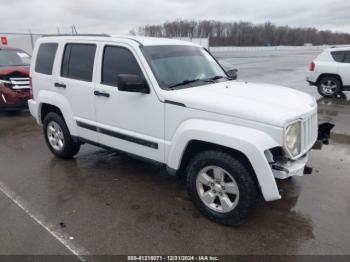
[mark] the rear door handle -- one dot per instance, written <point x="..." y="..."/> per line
<point x="60" y="85"/>
<point x="98" y="93"/>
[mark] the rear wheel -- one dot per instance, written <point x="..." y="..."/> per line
<point x="58" y="138"/>
<point x="329" y="86"/>
<point x="221" y="187"/>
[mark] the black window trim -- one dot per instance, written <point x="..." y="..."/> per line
<point x="102" y="62"/>
<point x="62" y="61"/>
<point x="54" y="58"/>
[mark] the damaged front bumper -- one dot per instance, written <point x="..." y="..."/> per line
<point x="283" y="167"/>
<point x="288" y="168"/>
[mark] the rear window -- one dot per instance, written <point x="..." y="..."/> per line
<point x="78" y="61"/>
<point x="45" y="58"/>
<point x="341" y="56"/>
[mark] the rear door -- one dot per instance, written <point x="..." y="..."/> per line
<point x="76" y="82"/>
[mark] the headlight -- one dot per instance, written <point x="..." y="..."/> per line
<point x="292" y="139"/>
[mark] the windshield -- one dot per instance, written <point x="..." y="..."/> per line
<point x="177" y="65"/>
<point x="14" y="58"/>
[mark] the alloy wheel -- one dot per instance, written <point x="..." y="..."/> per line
<point x="329" y="87"/>
<point x="217" y="189"/>
<point x="55" y="136"/>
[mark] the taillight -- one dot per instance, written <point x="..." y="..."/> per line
<point x="30" y="88"/>
<point x="312" y="66"/>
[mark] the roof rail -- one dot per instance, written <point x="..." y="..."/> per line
<point x="100" y="35"/>
<point x="131" y="38"/>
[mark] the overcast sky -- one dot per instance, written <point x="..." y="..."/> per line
<point x="118" y="17"/>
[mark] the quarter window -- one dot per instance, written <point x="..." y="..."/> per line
<point x="78" y="61"/>
<point x="116" y="61"/>
<point x="339" y="56"/>
<point x="45" y="58"/>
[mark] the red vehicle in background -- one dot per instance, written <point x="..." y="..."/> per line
<point x="14" y="79"/>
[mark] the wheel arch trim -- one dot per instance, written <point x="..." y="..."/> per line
<point x="250" y="142"/>
<point x="321" y="76"/>
<point x="59" y="101"/>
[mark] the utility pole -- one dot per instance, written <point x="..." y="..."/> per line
<point x="31" y="39"/>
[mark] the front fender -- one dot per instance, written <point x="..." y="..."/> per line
<point x="60" y="101"/>
<point x="251" y="142"/>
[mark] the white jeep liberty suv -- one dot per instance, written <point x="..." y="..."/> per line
<point x="171" y="102"/>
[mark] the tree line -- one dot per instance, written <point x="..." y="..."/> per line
<point x="243" y="33"/>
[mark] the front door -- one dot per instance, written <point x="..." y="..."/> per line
<point x="129" y="121"/>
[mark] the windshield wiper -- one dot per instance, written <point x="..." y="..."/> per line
<point x="19" y="65"/>
<point x="214" y="78"/>
<point x="185" y="82"/>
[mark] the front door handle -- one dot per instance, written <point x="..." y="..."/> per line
<point x="60" y="85"/>
<point x="99" y="93"/>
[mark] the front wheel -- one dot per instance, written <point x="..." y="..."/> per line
<point x="58" y="138"/>
<point x="329" y="87"/>
<point x="221" y="187"/>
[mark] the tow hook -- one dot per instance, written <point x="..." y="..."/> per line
<point x="324" y="134"/>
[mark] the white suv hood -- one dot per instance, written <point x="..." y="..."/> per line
<point x="270" y="104"/>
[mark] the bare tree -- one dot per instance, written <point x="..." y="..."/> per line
<point x="243" y="33"/>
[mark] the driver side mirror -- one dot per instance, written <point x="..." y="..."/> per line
<point x="132" y="83"/>
<point x="232" y="73"/>
<point x="229" y="68"/>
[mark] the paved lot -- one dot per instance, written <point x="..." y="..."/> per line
<point x="106" y="203"/>
<point x="287" y="68"/>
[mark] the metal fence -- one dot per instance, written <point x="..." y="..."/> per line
<point x="267" y="48"/>
<point x="25" y="42"/>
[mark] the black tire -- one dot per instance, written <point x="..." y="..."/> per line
<point x="330" y="81"/>
<point x="70" y="148"/>
<point x="248" y="190"/>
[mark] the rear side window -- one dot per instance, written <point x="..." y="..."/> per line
<point x="339" y="56"/>
<point x="78" y="61"/>
<point x="45" y="58"/>
<point x="116" y="61"/>
<point x="347" y="57"/>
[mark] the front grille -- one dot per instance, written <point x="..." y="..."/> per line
<point x="19" y="82"/>
<point x="309" y="132"/>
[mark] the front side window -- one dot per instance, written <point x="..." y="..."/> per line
<point x="347" y="57"/>
<point x="78" y="61"/>
<point x="176" y="64"/>
<point x="117" y="61"/>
